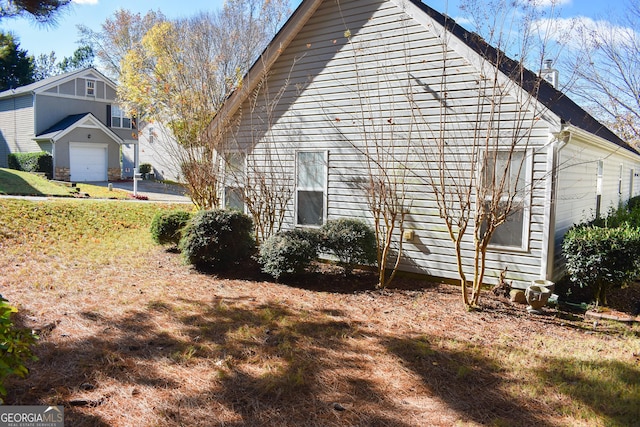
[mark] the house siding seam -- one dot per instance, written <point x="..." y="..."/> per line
<point x="326" y="103"/>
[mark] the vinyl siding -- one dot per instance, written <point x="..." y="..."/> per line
<point x="341" y="97"/>
<point x="576" y="188"/>
<point x="16" y="127"/>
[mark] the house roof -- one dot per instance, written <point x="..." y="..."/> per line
<point x="51" y="81"/>
<point x="72" y="122"/>
<point x="556" y="101"/>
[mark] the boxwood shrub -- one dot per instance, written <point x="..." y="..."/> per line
<point x="602" y="258"/>
<point x="352" y="241"/>
<point x="217" y="239"/>
<point x="32" y="162"/>
<point x="166" y="227"/>
<point x="289" y="252"/>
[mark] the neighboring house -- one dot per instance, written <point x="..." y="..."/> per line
<point x="157" y="147"/>
<point x="75" y="117"/>
<point x="313" y="119"/>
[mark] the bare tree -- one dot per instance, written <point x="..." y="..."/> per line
<point x="118" y="35"/>
<point x="606" y="61"/>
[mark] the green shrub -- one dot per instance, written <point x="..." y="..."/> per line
<point x="352" y="241"/>
<point x="289" y="252"/>
<point x="32" y="162"/>
<point x="15" y="346"/>
<point x="166" y="227"/>
<point x="633" y="203"/>
<point x="601" y="258"/>
<point x="217" y="239"/>
<point x="145" y="168"/>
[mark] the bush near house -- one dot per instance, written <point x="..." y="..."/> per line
<point x="217" y="239"/>
<point x="166" y="227"/>
<point x="352" y="241"/>
<point x="603" y="257"/>
<point x="32" y="162"/>
<point x="288" y="253"/>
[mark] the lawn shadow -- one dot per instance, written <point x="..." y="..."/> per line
<point x="609" y="388"/>
<point x="16" y="186"/>
<point x="468" y="383"/>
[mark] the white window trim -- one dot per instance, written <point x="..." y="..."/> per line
<point x="526" y="204"/>
<point x="90" y="85"/>
<point x="234" y="184"/>
<point x="122" y="117"/>
<point x="324" y="188"/>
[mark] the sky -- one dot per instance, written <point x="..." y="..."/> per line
<point x="62" y="39"/>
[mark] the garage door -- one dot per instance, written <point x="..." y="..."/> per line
<point x="88" y="163"/>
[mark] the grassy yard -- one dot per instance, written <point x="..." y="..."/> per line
<point x="129" y="335"/>
<point x="17" y="183"/>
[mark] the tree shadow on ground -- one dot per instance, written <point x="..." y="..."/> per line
<point x="271" y="361"/>
<point x="467" y="383"/>
<point x="608" y="388"/>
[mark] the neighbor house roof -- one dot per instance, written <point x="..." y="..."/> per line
<point x="72" y="122"/>
<point x="556" y="101"/>
<point x="51" y="81"/>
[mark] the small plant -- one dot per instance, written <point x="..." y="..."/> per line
<point x="217" y="239"/>
<point x="145" y="168"/>
<point x="166" y="227"/>
<point x="15" y="346"/>
<point x="288" y="252"/>
<point x="352" y="241"/>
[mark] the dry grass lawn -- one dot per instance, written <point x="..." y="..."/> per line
<point x="130" y="336"/>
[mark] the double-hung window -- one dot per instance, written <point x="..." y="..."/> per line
<point x="119" y="119"/>
<point x="91" y="88"/>
<point x="507" y="176"/>
<point x="234" y="168"/>
<point x="311" y="185"/>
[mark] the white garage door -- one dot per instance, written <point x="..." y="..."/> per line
<point x="88" y="163"/>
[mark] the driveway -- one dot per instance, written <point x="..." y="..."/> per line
<point x="154" y="190"/>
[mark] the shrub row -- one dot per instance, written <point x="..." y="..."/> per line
<point x="218" y="239"/>
<point x="32" y="162"/>
<point x="605" y="253"/>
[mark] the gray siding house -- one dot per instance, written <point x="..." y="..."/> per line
<point x="343" y="79"/>
<point x="73" y="116"/>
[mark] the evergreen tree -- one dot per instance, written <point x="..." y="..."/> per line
<point x="16" y="67"/>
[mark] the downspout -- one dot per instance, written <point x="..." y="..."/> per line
<point x="551" y="197"/>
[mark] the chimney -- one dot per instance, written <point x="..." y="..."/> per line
<point x="549" y="73"/>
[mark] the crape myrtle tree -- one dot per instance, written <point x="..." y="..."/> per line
<point x="183" y="70"/>
<point x="431" y="132"/>
<point x="482" y="154"/>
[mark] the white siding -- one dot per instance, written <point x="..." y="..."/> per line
<point x="342" y="97"/>
<point x="576" y="188"/>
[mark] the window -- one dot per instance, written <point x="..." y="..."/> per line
<point x="311" y="177"/>
<point x="599" y="175"/>
<point x="119" y="119"/>
<point x="91" y="88"/>
<point x="514" y="167"/>
<point x="234" y="168"/>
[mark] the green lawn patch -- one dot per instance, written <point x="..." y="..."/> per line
<point x="17" y="183"/>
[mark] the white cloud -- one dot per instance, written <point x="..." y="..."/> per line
<point x="572" y="32"/>
<point x="549" y="3"/>
<point x="84" y="1"/>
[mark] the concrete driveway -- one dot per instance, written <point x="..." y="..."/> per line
<point x="153" y="190"/>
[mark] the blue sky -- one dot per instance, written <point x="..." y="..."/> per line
<point x="63" y="37"/>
